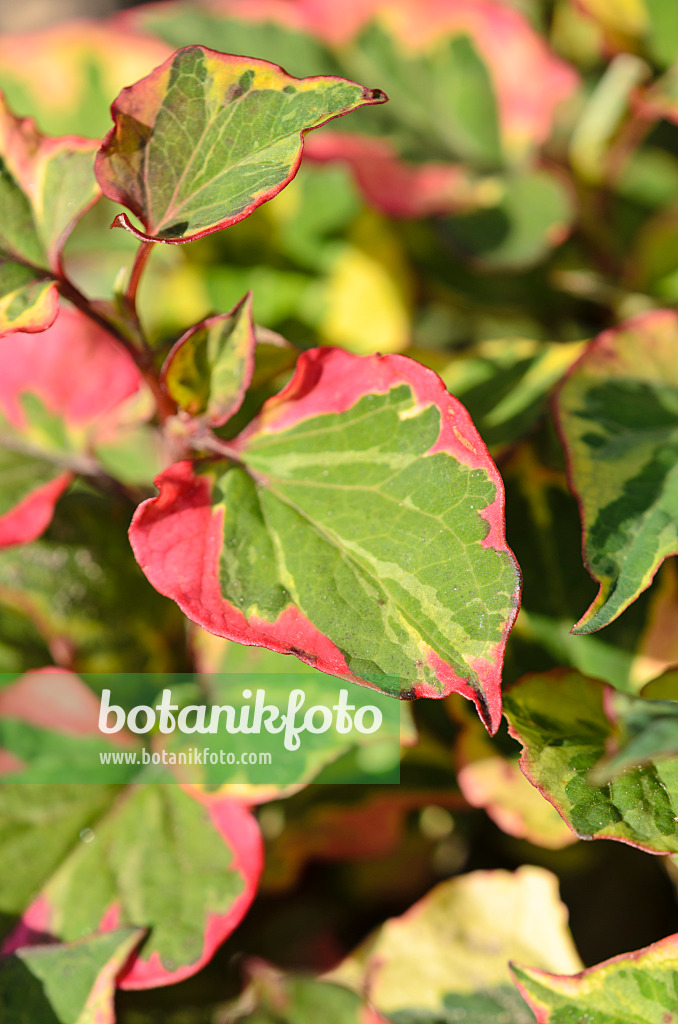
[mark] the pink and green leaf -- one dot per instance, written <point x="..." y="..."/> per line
<point x="641" y="987"/>
<point x="45" y="187"/>
<point x="210" y="368"/>
<point x="127" y="873"/>
<point x="208" y="137"/>
<point x="61" y="393"/>
<point x="71" y="983"/>
<point x="361" y="529"/>
<point x="66" y="74"/>
<point x="618" y="416"/>
<point x="396" y="186"/>
<point x="562" y="720"/>
<point x="474" y="46"/>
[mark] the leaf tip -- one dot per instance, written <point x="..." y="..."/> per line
<point x="375" y="96"/>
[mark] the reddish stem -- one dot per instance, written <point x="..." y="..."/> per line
<point x="143" y="252"/>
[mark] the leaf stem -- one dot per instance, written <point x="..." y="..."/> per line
<point x="143" y="252"/>
<point x="215" y="444"/>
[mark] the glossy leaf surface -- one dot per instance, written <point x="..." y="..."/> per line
<point x="618" y="414"/>
<point x="560" y="719"/>
<point x="45" y="187"/>
<point x="365" y="473"/>
<point x="207" y="137"/>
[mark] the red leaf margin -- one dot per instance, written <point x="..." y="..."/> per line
<point x="176" y="538"/>
<point x="530" y="80"/>
<point x="79" y="371"/>
<point x="249" y="361"/>
<point x="25" y="148"/>
<point x="240" y="831"/>
<point x="391" y="184"/>
<point x="664" y="949"/>
<point x="138" y="101"/>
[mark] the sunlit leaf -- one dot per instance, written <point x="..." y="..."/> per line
<point x="561" y="720"/>
<point x="211" y="366"/>
<point x="45" y="187"/>
<point x="618" y="414"/>
<point x="489" y="779"/>
<point x="61" y="392"/>
<point x="448" y="953"/>
<point x="361" y="528"/>
<point x="207" y="137"/>
<point x="641" y="987"/>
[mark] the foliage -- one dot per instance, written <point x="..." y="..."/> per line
<point x="428" y="366"/>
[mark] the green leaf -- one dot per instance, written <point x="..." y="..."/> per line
<point x="273" y="997"/>
<point x="561" y="721"/>
<point x="45" y="187"/>
<point x="27" y="814"/>
<point x="65" y="589"/>
<point x="60" y="393"/>
<point x="207" y="137"/>
<point x="32" y="989"/>
<point x="533" y="215"/>
<point x="448" y="953"/>
<point x="65" y="74"/>
<point x="489" y="779"/>
<point x="663" y="31"/>
<point x="297" y="51"/>
<point x="618" y="415"/>
<point x="639" y="987"/>
<point x="210" y="368"/>
<point x="645" y="729"/>
<point x="361" y="528"/>
<point x="444" y="96"/>
<point x="157" y="857"/>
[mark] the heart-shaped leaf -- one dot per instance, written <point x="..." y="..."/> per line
<point x="618" y="415"/>
<point x="60" y="394"/>
<point x="210" y="368"/>
<point x="45" y="187"/>
<point x="565" y="722"/>
<point x="32" y="989"/>
<point x="157" y="857"/>
<point x="207" y="137"/>
<point x="361" y="529"/>
<point x="641" y="987"/>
